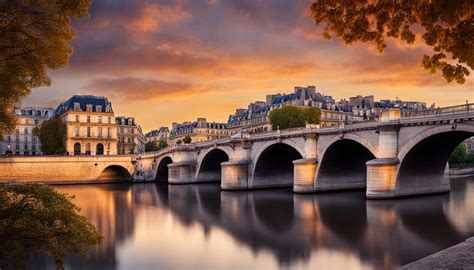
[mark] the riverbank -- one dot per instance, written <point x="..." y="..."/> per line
<point x="461" y="170"/>
<point x="460" y="256"/>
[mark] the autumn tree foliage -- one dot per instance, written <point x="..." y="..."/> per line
<point x="446" y="26"/>
<point x="34" y="36"/>
<point x="293" y="116"/>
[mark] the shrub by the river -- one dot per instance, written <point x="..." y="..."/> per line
<point x="36" y="219"/>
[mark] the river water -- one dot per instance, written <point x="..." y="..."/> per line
<point x="160" y="226"/>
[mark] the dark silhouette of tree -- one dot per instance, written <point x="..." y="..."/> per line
<point x="34" y="36"/>
<point x="187" y="139"/>
<point x="448" y="28"/>
<point x="36" y="219"/>
<point x="151" y="146"/>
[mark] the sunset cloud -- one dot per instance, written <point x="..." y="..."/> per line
<point x="206" y="58"/>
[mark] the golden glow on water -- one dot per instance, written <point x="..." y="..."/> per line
<point x="148" y="226"/>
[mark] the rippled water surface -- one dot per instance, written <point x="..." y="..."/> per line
<point x="159" y="226"/>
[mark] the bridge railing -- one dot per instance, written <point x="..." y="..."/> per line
<point x="451" y="110"/>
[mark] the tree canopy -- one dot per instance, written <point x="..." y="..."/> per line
<point x="447" y="27"/>
<point x="36" y="219"/>
<point x="187" y="139"/>
<point x="293" y="116"/>
<point x="34" y="36"/>
<point x="153" y="146"/>
<point x="52" y="135"/>
<point x="460" y="156"/>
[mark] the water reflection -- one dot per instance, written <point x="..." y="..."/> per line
<point x="150" y="226"/>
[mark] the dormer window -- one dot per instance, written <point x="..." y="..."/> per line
<point x="108" y="109"/>
<point x="77" y="106"/>
<point x="89" y="107"/>
<point x="98" y="108"/>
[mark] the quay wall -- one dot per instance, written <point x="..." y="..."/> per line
<point x="65" y="169"/>
<point x="461" y="170"/>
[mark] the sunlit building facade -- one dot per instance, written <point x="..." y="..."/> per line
<point x="157" y="135"/>
<point x="91" y="127"/>
<point x="22" y="141"/>
<point x="129" y="136"/>
<point x="199" y="131"/>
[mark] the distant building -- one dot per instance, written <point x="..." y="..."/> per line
<point x="255" y="118"/>
<point x="22" y="141"/>
<point x="199" y="131"/>
<point x="91" y="127"/>
<point x="129" y="136"/>
<point x="158" y="135"/>
<point x="365" y="108"/>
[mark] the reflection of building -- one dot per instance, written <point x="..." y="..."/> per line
<point x="199" y="131"/>
<point x="158" y="135"/>
<point x="129" y="136"/>
<point x="255" y="119"/>
<point x="91" y="128"/>
<point x="22" y="141"/>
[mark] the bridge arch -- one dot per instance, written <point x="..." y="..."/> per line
<point x="162" y="168"/>
<point x="273" y="164"/>
<point x="209" y="164"/>
<point x="342" y="163"/>
<point x="115" y="173"/>
<point x="423" y="159"/>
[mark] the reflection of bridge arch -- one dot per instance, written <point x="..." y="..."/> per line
<point x="274" y="164"/>
<point x="423" y="159"/>
<point x="343" y="163"/>
<point x="209" y="164"/>
<point x="162" y="168"/>
<point x="114" y="173"/>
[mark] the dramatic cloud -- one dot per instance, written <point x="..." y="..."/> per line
<point x="206" y="58"/>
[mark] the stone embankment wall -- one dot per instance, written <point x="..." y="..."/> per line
<point x="65" y="169"/>
<point x="461" y="170"/>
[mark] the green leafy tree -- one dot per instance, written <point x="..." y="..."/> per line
<point x="459" y="155"/>
<point x="293" y="116"/>
<point x="447" y="27"/>
<point x="187" y="139"/>
<point x="162" y="144"/>
<point x="52" y="135"/>
<point x="36" y="219"/>
<point x="34" y="36"/>
<point x="151" y="146"/>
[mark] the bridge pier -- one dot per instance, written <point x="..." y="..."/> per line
<point x="183" y="168"/>
<point x="304" y="173"/>
<point x="234" y="175"/>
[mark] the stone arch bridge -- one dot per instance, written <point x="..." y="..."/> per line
<point x="405" y="153"/>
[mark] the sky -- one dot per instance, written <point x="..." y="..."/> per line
<point x="175" y="61"/>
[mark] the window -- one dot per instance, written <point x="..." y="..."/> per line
<point x="100" y="119"/>
<point x="26" y="130"/>
<point x="34" y="138"/>
<point x="98" y="108"/>
<point x="89" y="107"/>
<point x="77" y="106"/>
<point x="26" y="147"/>
<point x="36" y="122"/>
<point x="88" y="132"/>
<point x="88" y="119"/>
<point x="76" y="131"/>
<point x="17" y="147"/>
<point x="108" y="120"/>
<point x="9" y="138"/>
<point x="27" y="121"/>
<point x="77" y="118"/>
<point x="33" y="147"/>
<point x="108" y="133"/>
<point x="100" y="132"/>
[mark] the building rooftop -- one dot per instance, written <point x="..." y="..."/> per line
<point x="80" y="102"/>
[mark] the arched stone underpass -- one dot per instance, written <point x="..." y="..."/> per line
<point x="162" y="169"/>
<point x="274" y="166"/>
<point x="343" y="166"/>
<point x="210" y="169"/>
<point x="115" y="173"/>
<point x="424" y="164"/>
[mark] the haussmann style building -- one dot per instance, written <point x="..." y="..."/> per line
<point x="129" y="136"/>
<point x="22" y="141"/>
<point x="199" y="131"/>
<point x="91" y="126"/>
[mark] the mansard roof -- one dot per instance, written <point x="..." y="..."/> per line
<point x="83" y="101"/>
